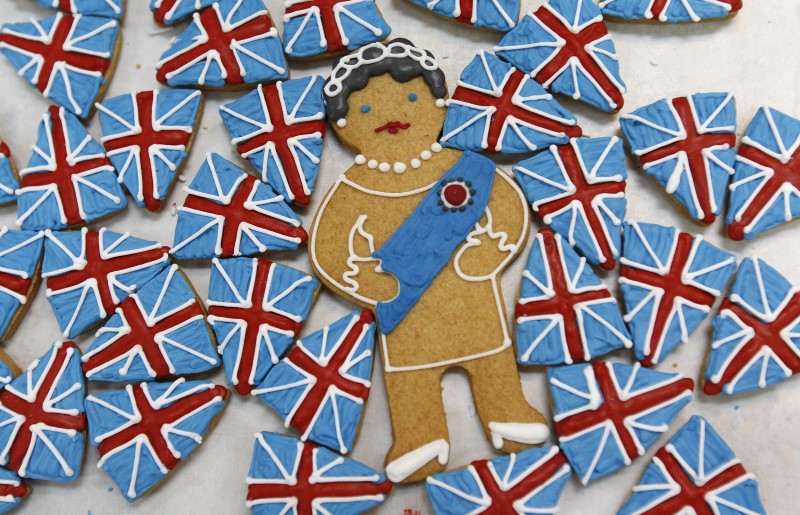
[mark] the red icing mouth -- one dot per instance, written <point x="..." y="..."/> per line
<point x="393" y="127"/>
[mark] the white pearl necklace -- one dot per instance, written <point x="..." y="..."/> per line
<point x="399" y="166"/>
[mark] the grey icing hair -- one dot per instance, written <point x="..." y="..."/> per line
<point x="399" y="57"/>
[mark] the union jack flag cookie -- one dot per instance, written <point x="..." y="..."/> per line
<point x="89" y="273"/>
<point x="321" y="387"/>
<point x="231" y="213"/>
<point x="565" y="313"/>
<point x="497" y="108"/>
<point x="143" y="432"/>
<point x="566" y="47"/>
<point x="230" y="43"/>
<point x="608" y="414"/>
<point x="12" y="490"/>
<point x="290" y="476"/>
<point x="9" y="181"/>
<point x="105" y="8"/>
<point x="280" y="129"/>
<point x="20" y="260"/>
<point x="669" y="11"/>
<point x="669" y="280"/>
<point x="147" y="136"/>
<point x="696" y="472"/>
<point x="170" y="12"/>
<point x="68" y="58"/>
<point x="766" y="184"/>
<point x="42" y="416"/>
<point x="756" y="333"/>
<point x="256" y="308"/>
<point x="688" y="144"/>
<point x="317" y="28"/>
<point x="157" y="332"/>
<point x="497" y="15"/>
<point x="579" y="191"/>
<point x="527" y="482"/>
<point x="68" y="180"/>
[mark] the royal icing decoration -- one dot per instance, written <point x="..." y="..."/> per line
<point x="669" y="280"/>
<point x="321" y="387"/>
<point x="256" y="308"/>
<point x="231" y="213"/>
<point x="146" y="135"/>
<point x="20" y="256"/>
<point x="527" y="482"/>
<point x="566" y="47"/>
<point x="289" y="476"/>
<point x="42" y="416"/>
<point x="579" y="191"/>
<point x="105" y="8"/>
<point x="145" y="431"/>
<point x="280" y="129"/>
<point x="232" y="42"/>
<point x="766" y="185"/>
<point x="670" y="11"/>
<point x="8" y="178"/>
<point x="498" y="15"/>
<point x="318" y="27"/>
<point x="90" y="273"/>
<point x="608" y="414"/>
<point x="170" y="12"/>
<point x="12" y="490"/>
<point x="756" y="341"/>
<point x="65" y="57"/>
<point x="688" y="144"/>
<point x="68" y="180"/>
<point x="157" y="332"/>
<point x="565" y="312"/>
<point x="497" y="108"/>
<point x="696" y="472"/>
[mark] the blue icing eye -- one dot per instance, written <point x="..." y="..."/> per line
<point x="365" y="108"/>
<point x="412" y="97"/>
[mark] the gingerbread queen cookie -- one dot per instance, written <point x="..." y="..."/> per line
<point x="421" y="234"/>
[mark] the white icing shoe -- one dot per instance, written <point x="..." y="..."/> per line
<point x="530" y="433"/>
<point x="412" y="461"/>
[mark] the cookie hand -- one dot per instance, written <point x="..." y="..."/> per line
<point x="363" y="273"/>
<point x="485" y="251"/>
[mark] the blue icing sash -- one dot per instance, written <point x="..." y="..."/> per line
<point x="421" y="247"/>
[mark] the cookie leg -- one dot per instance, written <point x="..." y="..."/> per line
<point x="510" y="423"/>
<point x="419" y="426"/>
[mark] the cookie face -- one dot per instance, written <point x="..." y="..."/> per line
<point x="157" y="332"/>
<point x="578" y="190"/>
<point x="256" y="308"/>
<point x="44" y="410"/>
<point x="147" y="136"/>
<point x="320" y="28"/>
<point x="105" y="8"/>
<point x="230" y="44"/>
<point x="497" y="108"/>
<point x="565" y="313"/>
<point x="170" y="12"/>
<point x="286" y="474"/>
<point x="280" y="129"/>
<point x="20" y="257"/>
<point x="688" y="144"/>
<point x="9" y="182"/>
<point x="89" y="273"/>
<point x="321" y="387"/>
<point x="231" y="213"/>
<point x="145" y="431"/>
<point x="608" y="414"/>
<point x="68" y="58"/>
<point x="68" y="181"/>
<point x="566" y="47"/>
<point x="669" y="11"/>
<point x="766" y="182"/>
<point x="496" y="15"/>
<point x="527" y="482"/>
<point x="695" y="472"/>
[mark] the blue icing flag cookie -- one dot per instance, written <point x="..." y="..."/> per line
<point x="320" y="389"/>
<point x="530" y="481"/>
<point x="67" y="58"/>
<point x="607" y="415"/>
<point x="280" y="129"/>
<point x="566" y="47"/>
<point x="12" y="490"/>
<point x="105" y="8"/>
<point x="9" y="182"/>
<point x="669" y="11"/>
<point x="565" y="313"/>
<point x="289" y="475"/>
<point x="316" y="28"/>
<point x="256" y="308"/>
<point x="143" y="432"/>
<point x="696" y="472"/>
<point x="688" y="144"/>
<point x="157" y="332"/>
<point x="170" y="12"/>
<point x="497" y="15"/>
<point x="498" y="108"/>
<point x="578" y="189"/>
<point x="20" y="257"/>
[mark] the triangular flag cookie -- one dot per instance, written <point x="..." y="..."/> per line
<point x="9" y="179"/>
<point x="669" y="11"/>
<point x="20" y="265"/>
